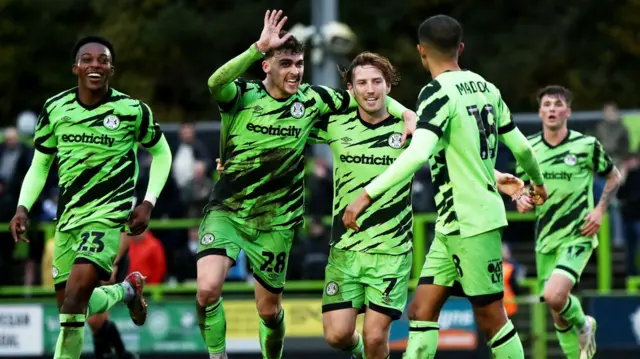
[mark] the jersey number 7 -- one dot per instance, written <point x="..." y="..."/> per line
<point x="485" y="129"/>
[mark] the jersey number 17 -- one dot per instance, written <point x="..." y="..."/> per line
<point x="485" y="129"/>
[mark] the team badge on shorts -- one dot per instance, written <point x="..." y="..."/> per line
<point x="395" y="140"/>
<point x="570" y="160"/>
<point x="332" y="288"/>
<point x="54" y="272"/>
<point x="111" y="122"/>
<point x="297" y="109"/>
<point x="386" y="299"/>
<point x="207" y="239"/>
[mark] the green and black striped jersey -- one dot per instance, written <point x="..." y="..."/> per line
<point x="467" y="114"/>
<point x="361" y="152"/>
<point x="262" y="146"/>
<point x="95" y="148"/>
<point x="568" y="170"/>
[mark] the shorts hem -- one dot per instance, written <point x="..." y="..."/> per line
<point x="59" y="286"/>
<point x="485" y="299"/>
<point x="393" y="313"/>
<point x="214" y="252"/>
<point x="456" y="287"/>
<point x="266" y="286"/>
<point x="573" y="275"/>
<point x="338" y="306"/>
<point x="103" y="274"/>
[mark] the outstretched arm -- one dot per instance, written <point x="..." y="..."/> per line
<point x="221" y="82"/>
<point x="35" y="179"/>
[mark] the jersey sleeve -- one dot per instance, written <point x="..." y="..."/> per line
<point x="505" y="119"/>
<point x="319" y="132"/>
<point x="44" y="138"/>
<point x="433" y="110"/>
<point x="331" y="101"/>
<point x="520" y="173"/>
<point x="148" y="132"/>
<point x="601" y="163"/>
<point x="233" y="93"/>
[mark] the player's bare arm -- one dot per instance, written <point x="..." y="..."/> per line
<point x="594" y="219"/>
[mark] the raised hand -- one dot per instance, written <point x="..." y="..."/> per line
<point x="270" y="36"/>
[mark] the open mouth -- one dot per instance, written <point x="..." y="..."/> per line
<point x="371" y="100"/>
<point x="552" y="117"/>
<point x="293" y="82"/>
<point x="94" y="75"/>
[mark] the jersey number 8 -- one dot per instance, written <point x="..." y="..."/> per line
<point x="485" y="129"/>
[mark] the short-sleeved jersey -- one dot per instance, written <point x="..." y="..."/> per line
<point x="467" y="114"/>
<point x="95" y="148"/>
<point x="361" y="152"/>
<point x="568" y="169"/>
<point x="262" y="148"/>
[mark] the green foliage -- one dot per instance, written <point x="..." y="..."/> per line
<point x="166" y="49"/>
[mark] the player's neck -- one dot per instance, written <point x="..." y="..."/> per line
<point x="554" y="137"/>
<point x="438" y="67"/>
<point x="90" y="98"/>
<point x="274" y="91"/>
<point x="373" y="118"/>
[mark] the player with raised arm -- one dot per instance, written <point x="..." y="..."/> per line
<point x="462" y="116"/>
<point x="93" y="131"/>
<point x="258" y="201"/>
<point x="369" y="268"/>
<point x="568" y="223"/>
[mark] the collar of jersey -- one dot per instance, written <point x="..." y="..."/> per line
<point x="104" y="100"/>
<point x="564" y="140"/>
<point x="372" y="126"/>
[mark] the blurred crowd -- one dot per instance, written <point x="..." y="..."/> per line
<point x="172" y="252"/>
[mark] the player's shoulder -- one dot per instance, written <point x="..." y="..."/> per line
<point x="577" y="138"/>
<point x="60" y="99"/>
<point x="126" y="104"/>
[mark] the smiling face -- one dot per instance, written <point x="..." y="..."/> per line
<point x="284" y="72"/>
<point x="554" y="111"/>
<point x="93" y="66"/>
<point x="370" y="88"/>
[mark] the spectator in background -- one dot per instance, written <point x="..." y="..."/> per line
<point x="146" y="255"/>
<point x="614" y="137"/>
<point x="196" y="192"/>
<point x="630" y="208"/>
<point x="15" y="159"/>
<point x="320" y="187"/>
<point x="315" y="250"/>
<point x="512" y="274"/>
<point x="189" y="151"/>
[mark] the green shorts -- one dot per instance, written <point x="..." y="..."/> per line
<point x="356" y="279"/>
<point x="568" y="261"/>
<point x="472" y="266"/>
<point x="93" y="243"/>
<point x="268" y="252"/>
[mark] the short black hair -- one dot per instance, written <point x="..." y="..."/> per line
<point x="442" y="32"/>
<point x="91" y="39"/>
<point x="557" y="91"/>
<point x="292" y="44"/>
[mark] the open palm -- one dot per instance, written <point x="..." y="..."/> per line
<point x="270" y="36"/>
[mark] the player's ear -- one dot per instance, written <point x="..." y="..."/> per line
<point x="112" y="71"/>
<point x="460" y="48"/>
<point x="422" y="51"/>
<point x="74" y="69"/>
<point x="266" y="66"/>
<point x="349" y="86"/>
<point x="568" y="112"/>
<point x="388" y="87"/>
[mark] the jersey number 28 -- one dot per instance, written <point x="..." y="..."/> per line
<point x="485" y="129"/>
